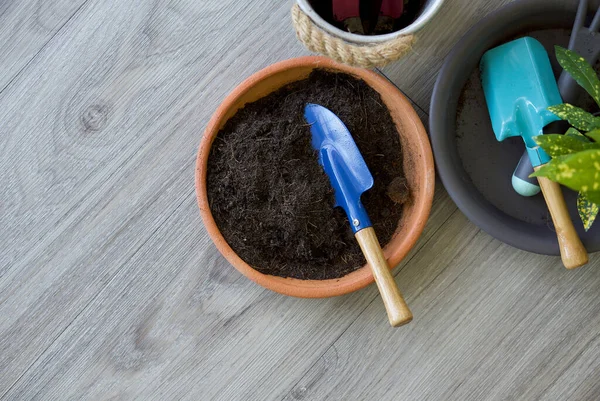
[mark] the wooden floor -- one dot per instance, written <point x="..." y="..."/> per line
<point x="111" y="289"/>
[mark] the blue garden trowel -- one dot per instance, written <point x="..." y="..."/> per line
<point x="519" y="86"/>
<point x="350" y="177"/>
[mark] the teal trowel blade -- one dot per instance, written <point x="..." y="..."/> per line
<point x="519" y="86"/>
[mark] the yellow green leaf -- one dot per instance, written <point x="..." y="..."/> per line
<point x="580" y="70"/>
<point x="587" y="210"/>
<point x="576" y="116"/>
<point x="593" y="196"/>
<point x="558" y="145"/>
<point x="572" y="132"/>
<point x="579" y="171"/>
<point x="594" y="134"/>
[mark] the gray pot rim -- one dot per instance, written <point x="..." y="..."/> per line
<point x="505" y="23"/>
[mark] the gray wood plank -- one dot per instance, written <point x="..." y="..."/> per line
<point x="178" y="321"/>
<point x="496" y="323"/>
<point x="26" y="27"/>
<point x="124" y="79"/>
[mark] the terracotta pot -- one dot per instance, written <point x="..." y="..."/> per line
<point x="418" y="167"/>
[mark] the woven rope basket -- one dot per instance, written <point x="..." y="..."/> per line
<point x="318" y="40"/>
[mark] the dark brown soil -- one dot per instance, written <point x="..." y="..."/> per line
<point x="271" y="199"/>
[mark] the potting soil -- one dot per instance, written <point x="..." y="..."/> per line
<point x="270" y="197"/>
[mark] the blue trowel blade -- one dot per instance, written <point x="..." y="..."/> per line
<point x="342" y="162"/>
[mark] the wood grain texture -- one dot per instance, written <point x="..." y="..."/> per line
<point x="26" y="27"/>
<point x="494" y="323"/>
<point x="89" y="147"/>
<point x="111" y="289"/>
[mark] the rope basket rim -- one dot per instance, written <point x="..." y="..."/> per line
<point x="366" y="55"/>
<point x="349" y="37"/>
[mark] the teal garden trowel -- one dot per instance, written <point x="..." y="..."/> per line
<point x="350" y="177"/>
<point x="519" y="86"/>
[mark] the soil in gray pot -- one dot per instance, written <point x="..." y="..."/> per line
<point x="270" y="197"/>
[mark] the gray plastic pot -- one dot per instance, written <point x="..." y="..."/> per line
<point x="475" y="169"/>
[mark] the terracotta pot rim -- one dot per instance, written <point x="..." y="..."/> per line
<point x="362" y="276"/>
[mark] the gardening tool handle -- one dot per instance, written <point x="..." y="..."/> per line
<point x="397" y="310"/>
<point x="572" y="251"/>
<point x="569" y="91"/>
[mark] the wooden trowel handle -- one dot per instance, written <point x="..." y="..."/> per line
<point x="397" y="310"/>
<point x="572" y="251"/>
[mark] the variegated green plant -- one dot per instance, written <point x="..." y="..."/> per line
<point x="575" y="155"/>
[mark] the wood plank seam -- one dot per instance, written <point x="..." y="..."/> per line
<point x="37" y="53"/>
<point x="415" y="104"/>
<point x="307" y="371"/>
<point x="489" y="353"/>
<point x="87" y="305"/>
<point x="82" y="208"/>
<point x="570" y="364"/>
